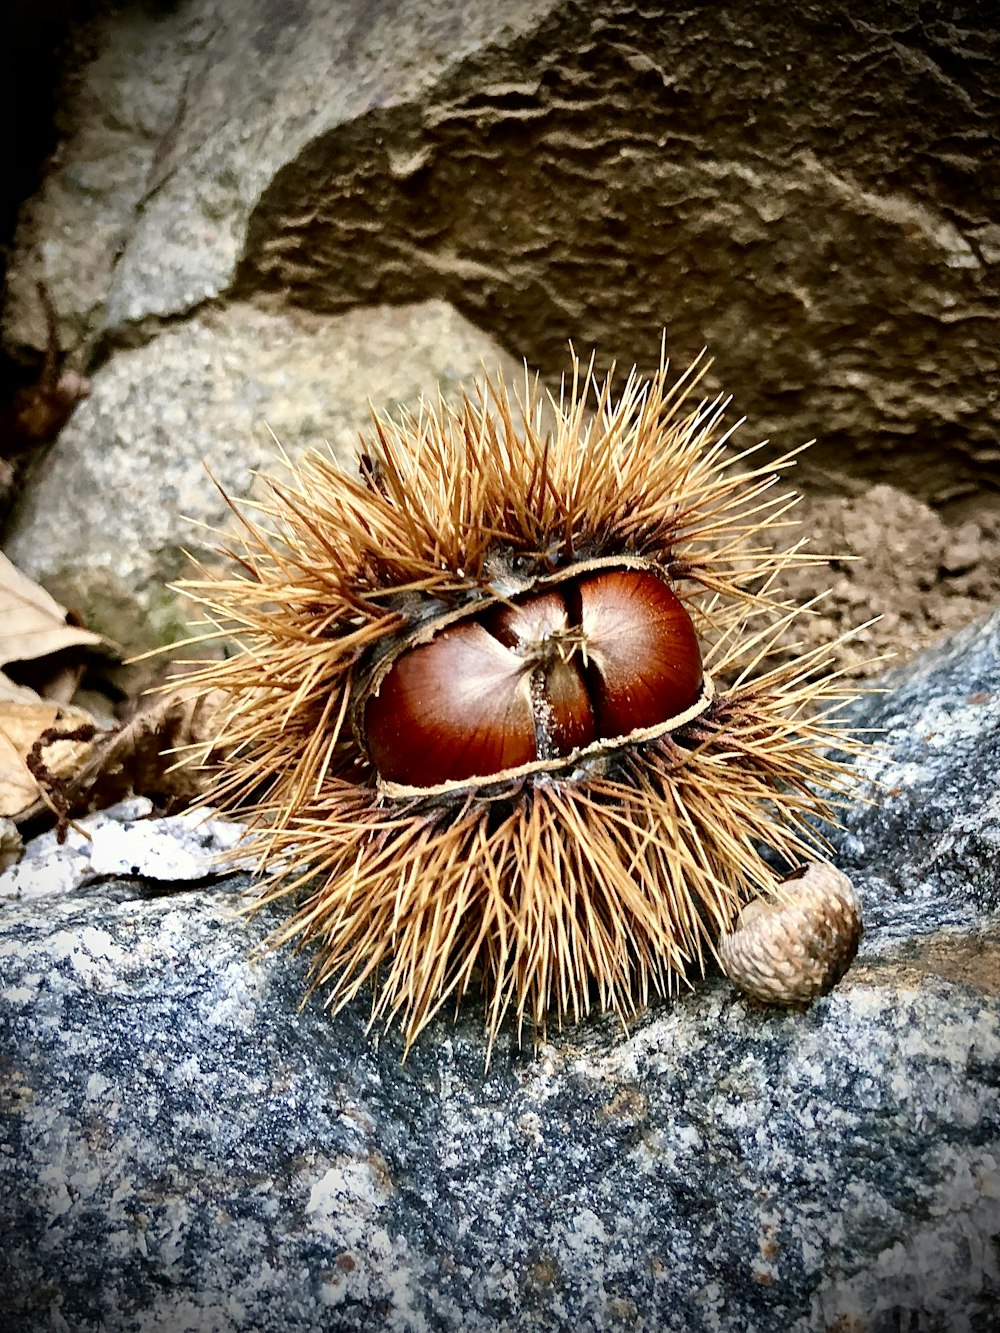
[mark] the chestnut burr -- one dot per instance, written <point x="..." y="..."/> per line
<point x="473" y="724"/>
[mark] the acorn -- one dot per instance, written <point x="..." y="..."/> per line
<point x="796" y="947"/>
<point x="510" y="714"/>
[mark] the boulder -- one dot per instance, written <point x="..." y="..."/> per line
<point x="128" y="489"/>
<point x="810" y="192"/>
<point x="176" y="117"/>
<point x="186" y="1146"/>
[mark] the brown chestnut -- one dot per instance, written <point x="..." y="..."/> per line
<point x="594" y="657"/>
<point x="457" y="707"/>
<point x="643" y="654"/>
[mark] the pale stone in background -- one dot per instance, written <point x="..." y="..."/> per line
<point x="108" y="518"/>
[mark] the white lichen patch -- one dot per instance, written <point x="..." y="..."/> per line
<point x="124" y="840"/>
<point x="95" y="958"/>
<point x="344" y="1199"/>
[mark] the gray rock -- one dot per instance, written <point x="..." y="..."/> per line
<point x="116" y="112"/>
<point x="811" y="192"/>
<point x="111" y="513"/>
<point x="186" y="1149"/>
<point x="929" y="850"/>
<point x="179" y="116"/>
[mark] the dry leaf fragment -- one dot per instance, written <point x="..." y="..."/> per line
<point x="32" y="730"/>
<point x="11" y="846"/>
<point x="134" y="759"/>
<point x="34" y="625"/>
<point x="139" y="760"/>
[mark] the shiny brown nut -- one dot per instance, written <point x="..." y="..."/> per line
<point x="539" y="630"/>
<point x="642" y="650"/>
<point x="457" y="707"/>
<point x="593" y="658"/>
<point x="796" y="948"/>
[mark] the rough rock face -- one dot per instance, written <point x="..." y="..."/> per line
<point x="184" y="1149"/>
<point x="810" y="191"/>
<point x="183" y="114"/>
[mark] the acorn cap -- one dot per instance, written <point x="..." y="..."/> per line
<point x="797" y="947"/>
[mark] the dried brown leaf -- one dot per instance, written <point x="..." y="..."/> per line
<point x="24" y="725"/>
<point x="136" y="759"/>
<point x="32" y="623"/>
<point x="11" y="846"/>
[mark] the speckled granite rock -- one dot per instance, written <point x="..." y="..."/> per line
<point x="108" y="519"/>
<point x="183" y="1149"/>
<point x="811" y="191"/>
<point x="930" y="850"/>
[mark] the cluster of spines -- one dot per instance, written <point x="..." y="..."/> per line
<point x="562" y="891"/>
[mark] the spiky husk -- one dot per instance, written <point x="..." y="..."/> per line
<point x="554" y="891"/>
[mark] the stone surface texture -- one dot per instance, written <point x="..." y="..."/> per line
<point x="811" y="192"/>
<point x="185" y="1148"/>
<point x="180" y="116"/>
<point x="265" y="214"/>
<point x="118" y="502"/>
